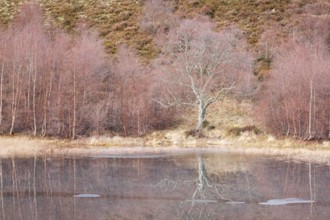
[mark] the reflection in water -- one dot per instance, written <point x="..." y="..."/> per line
<point x="286" y="201"/>
<point x="217" y="186"/>
<point x="86" y="195"/>
<point x="206" y="191"/>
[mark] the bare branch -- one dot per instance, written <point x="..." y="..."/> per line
<point x="205" y="62"/>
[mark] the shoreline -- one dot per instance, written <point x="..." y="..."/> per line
<point x="25" y="146"/>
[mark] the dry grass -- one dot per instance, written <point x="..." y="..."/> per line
<point x="23" y="146"/>
<point x="252" y="16"/>
<point x="118" y="20"/>
<point x="222" y="116"/>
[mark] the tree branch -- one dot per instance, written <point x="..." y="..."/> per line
<point x="218" y="95"/>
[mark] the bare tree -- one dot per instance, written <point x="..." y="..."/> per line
<point x="86" y="62"/>
<point x="131" y="90"/>
<point x="3" y="48"/>
<point x="296" y="102"/>
<point x="202" y="67"/>
<point x="53" y="83"/>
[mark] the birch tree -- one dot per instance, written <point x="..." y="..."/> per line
<point x="200" y="66"/>
<point x="3" y="49"/>
<point x="86" y="62"/>
<point x="296" y="101"/>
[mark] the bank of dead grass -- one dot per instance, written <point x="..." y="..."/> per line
<point x="23" y="146"/>
<point x="222" y="116"/>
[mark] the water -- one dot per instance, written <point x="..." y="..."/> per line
<point x="286" y="201"/>
<point x="185" y="186"/>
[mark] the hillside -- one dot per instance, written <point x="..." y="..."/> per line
<point x="265" y="24"/>
<point x="117" y="21"/>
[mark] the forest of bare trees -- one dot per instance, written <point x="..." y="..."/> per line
<point x="55" y="83"/>
<point x="297" y="98"/>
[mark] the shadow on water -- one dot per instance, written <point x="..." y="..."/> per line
<point x="191" y="186"/>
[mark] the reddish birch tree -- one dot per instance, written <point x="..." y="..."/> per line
<point x="56" y="84"/>
<point x="296" y="102"/>
<point x="202" y="67"/>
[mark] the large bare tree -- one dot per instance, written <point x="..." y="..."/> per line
<point x="201" y="66"/>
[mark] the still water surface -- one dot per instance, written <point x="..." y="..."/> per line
<point x="182" y="186"/>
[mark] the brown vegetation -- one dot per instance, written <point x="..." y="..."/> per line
<point x="55" y="84"/>
<point x="297" y="100"/>
<point x="200" y="68"/>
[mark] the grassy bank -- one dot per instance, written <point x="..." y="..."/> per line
<point x="230" y="128"/>
<point x="22" y="146"/>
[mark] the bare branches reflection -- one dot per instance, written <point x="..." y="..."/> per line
<point x="194" y="186"/>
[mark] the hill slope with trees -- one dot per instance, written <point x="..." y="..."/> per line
<point x="86" y="67"/>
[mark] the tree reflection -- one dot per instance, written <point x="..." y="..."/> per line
<point x="178" y="187"/>
<point x="205" y="187"/>
<point x="1" y="183"/>
<point x="207" y="191"/>
<point x="199" y="195"/>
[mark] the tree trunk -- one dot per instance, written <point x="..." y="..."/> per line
<point x="27" y="107"/>
<point x="203" y="178"/>
<point x="47" y="105"/>
<point x="59" y="105"/>
<point x="311" y="105"/>
<point x="14" y="104"/>
<point x="329" y="126"/>
<point x="74" y="106"/>
<point x="34" y="81"/>
<point x="201" y="118"/>
<point x="1" y="93"/>
<point x="202" y="182"/>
